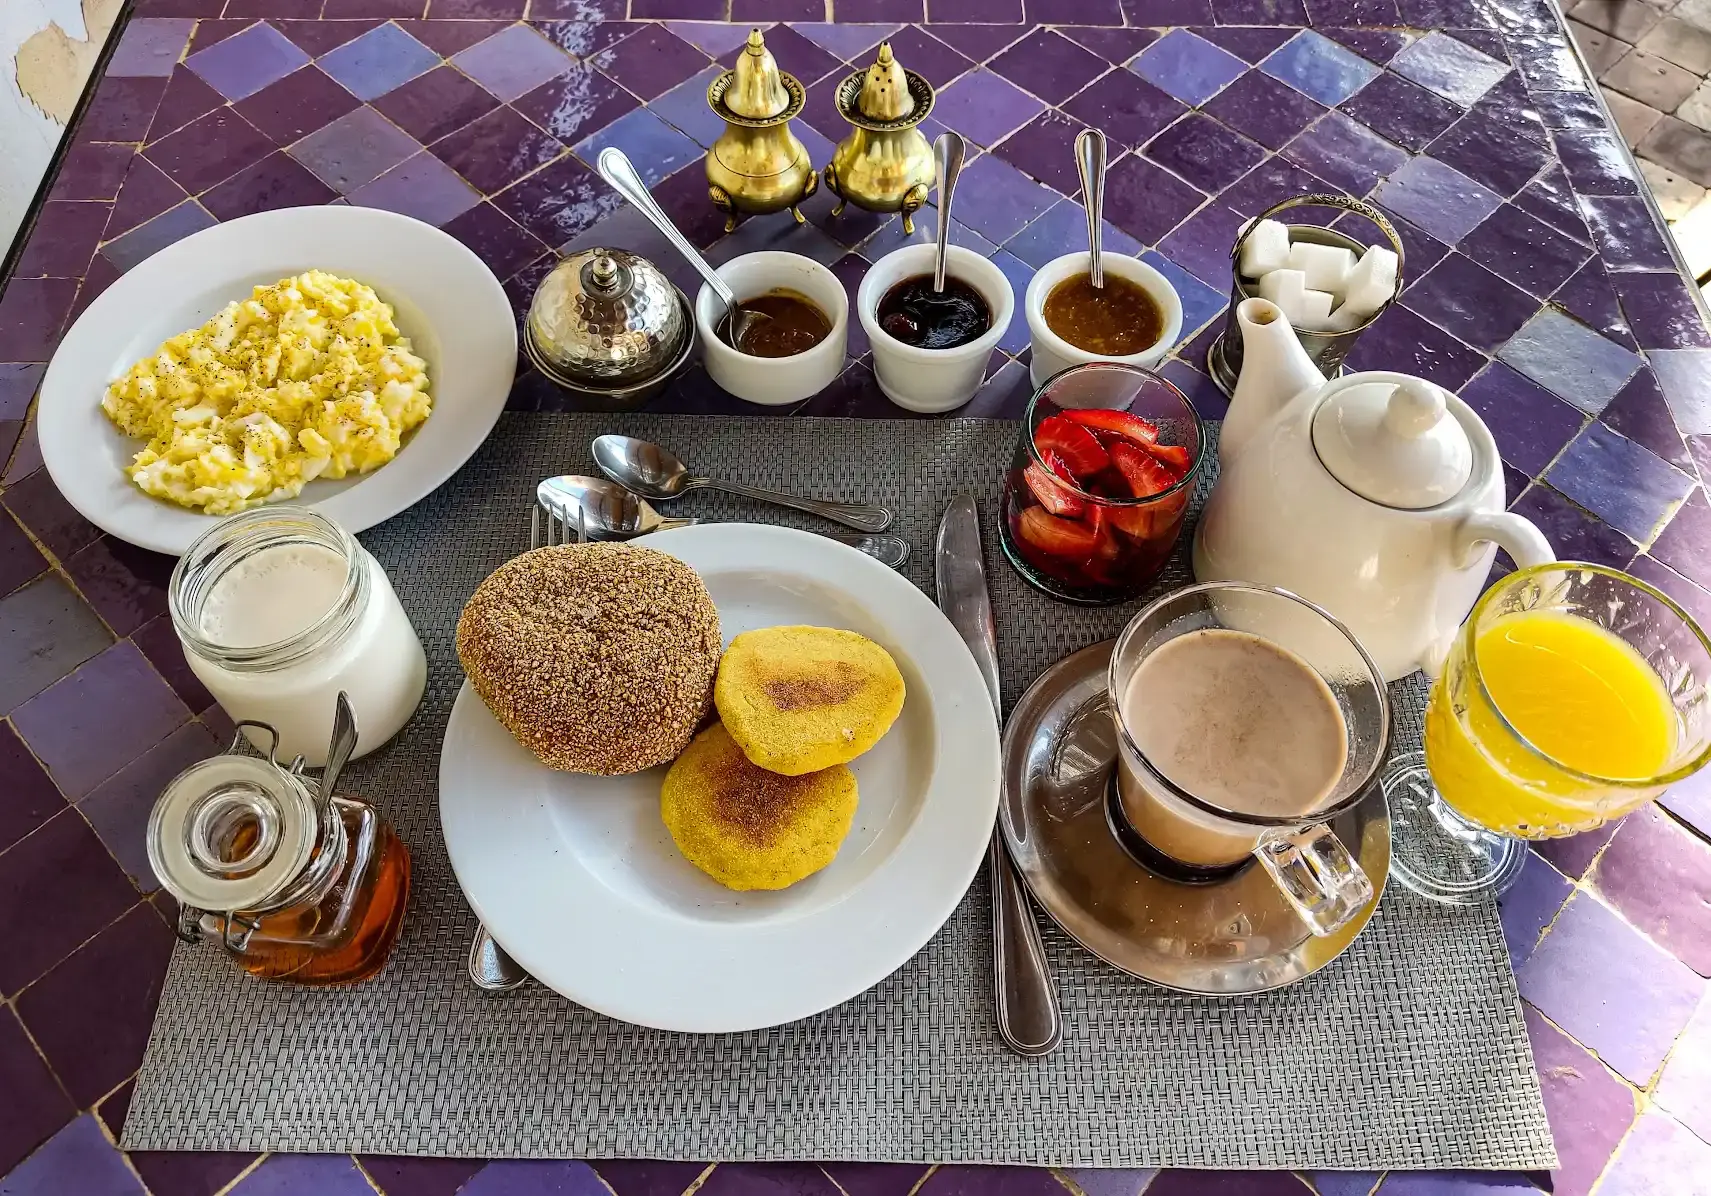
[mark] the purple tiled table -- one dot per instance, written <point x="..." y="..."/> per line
<point x="1541" y="287"/>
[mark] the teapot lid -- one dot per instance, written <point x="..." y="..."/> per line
<point x="1392" y="440"/>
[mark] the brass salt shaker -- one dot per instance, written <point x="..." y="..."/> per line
<point x="886" y="163"/>
<point x="757" y="165"/>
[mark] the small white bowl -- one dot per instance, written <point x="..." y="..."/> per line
<point x="1052" y="354"/>
<point x="774" y="381"/>
<point x="932" y="379"/>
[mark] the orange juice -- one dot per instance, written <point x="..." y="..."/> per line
<point x="1581" y="695"/>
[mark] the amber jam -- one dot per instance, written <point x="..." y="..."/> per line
<point x="795" y="325"/>
<point x="914" y="313"/>
<point x="1115" y="320"/>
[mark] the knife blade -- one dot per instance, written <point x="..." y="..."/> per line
<point x="1029" y="1019"/>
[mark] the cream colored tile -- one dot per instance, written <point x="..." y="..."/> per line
<point x="1632" y="117"/>
<point x="1696" y="108"/>
<point x="1675" y="195"/>
<point x="1693" y="234"/>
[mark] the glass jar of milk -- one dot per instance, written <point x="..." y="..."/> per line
<point x="279" y="609"/>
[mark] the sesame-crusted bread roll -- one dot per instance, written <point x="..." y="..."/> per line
<point x="598" y="658"/>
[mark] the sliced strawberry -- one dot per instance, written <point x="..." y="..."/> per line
<point x="1054" y="496"/>
<point x="1060" y="537"/>
<point x="1121" y="423"/>
<point x="1075" y="445"/>
<point x="1174" y="456"/>
<point x="1144" y="473"/>
<point x="1133" y="521"/>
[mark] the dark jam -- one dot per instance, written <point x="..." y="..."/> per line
<point x="915" y="314"/>
<point x="795" y="326"/>
<point x="1114" y="320"/>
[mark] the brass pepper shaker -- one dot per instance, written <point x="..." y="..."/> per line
<point x="885" y="164"/>
<point x="757" y="165"/>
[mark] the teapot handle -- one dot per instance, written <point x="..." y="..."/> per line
<point x="1524" y="543"/>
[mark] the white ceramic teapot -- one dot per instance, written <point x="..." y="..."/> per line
<point x="1377" y="495"/>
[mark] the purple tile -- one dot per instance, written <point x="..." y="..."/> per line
<point x="1688" y="800"/>
<point x="33" y="1107"/>
<point x="979" y="42"/>
<point x="63" y="240"/>
<point x="193" y="1173"/>
<point x="650" y="62"/>
<point x="159" y="642"/>
<point x="1042" y="148"/>
<point x="402" y="1175"/>
<point x="1115" y="45"/>
<point x="1063" y="229"/>
<point x="1200" y="303"/>
<point x="1049" y="65"/>
<point x="1269" y="111"/>
<point x="1530" y="906"/>
<point x="100" y="275"/>
<point x="27" y="458"/>
<point x="1128" y="108"/>
<point x="681" y="10"/>
<point x="496" y="239"/>
<point x="1685" y="375"/>
<point x="803" y="58"/>
<point x="1115" y="1181"/>
<point x="1077" y="12"/>
<point x="1660" y="310"/>
<point x="118" y="809"/>
<point x="559" y="200"/>
<point x="930" y="57"/>
<point x="318" y="37"/>
<point x="1570" y="360"/>
<point x="657" y="149"/>
<point x="382" y="59"/>
<point x="1525" y="250"/>
<point x="852" y="43"/>
<point x="786" y="236"/>
<point x="1404" y="112"/>
<point x="77" y="1159"/>
<point x="1438" y="198"/>
<point x="1685" y="1089"/>
<point x="1468" y="300"/>
<point x="1172" y="1182"/>
<point x="513" y="62"/>
<point x="1269" y="183"/>
<point x="212" y="32"/>
<point x="150" y="46"/>
<point x="126" y="585"/>
<point x="1589" y="297"/>
<point x="443" y="100"/>
<point x="245" y="63"/>
<point x="31" y="313"/>
<point x="1317" y="66"/>
<point x="1375" y="45"/>
<point x="954" y="11"/>
<point x="984" y="107"/>
<point x="1604" y="983"/>
<point x="1167" y="12"/>
<point x="516" y="1177"/>
<point x="151" y="237"/>
<point x="91" y="171"/>
<point x="1576" y="536"/>
<point x="579" y="38"/>
<point x="446" y="38"/>
<point x="1487" y="150"/>
<point x="865" y="1179"/>
<point x="322" y="1174"/>
<point x="1259" y="12"/>
<point x="300" y="103"/>
<point x="1204" y="152"/>
<point x="1147" y="201"/>
<point x="42" y="509"/>
<point x="1625" y="484"/>
<point x="1596" y="161"/>
<point x="422" y="187"/>
<point x="1460" y="1183"/>
<point x="355" y="149"/>
<point x="277" y="181"/>
<point x="1250" y="43"/>
<point x="46" y="631"/>
<point x="186" y="98"/>
<point x="1589" y="1108"/>
<point x="1640" y="412"/>
<point x="1343" y="151"/>
<point x="1450" y="68"/>
<point x="1402" y="340"/>
<point x="1187" y="66"/>
<point x="1531" y="425"/>
<point x="88" y="725"/>
<point x="1685" y="545"/>
<point x="122" y="108"/>
<point x="1009" y="199"/>
<point x="495" y="150"/>
<point x="209" y="149"/>
<point x="1569" y="110"/>
<point x="1344" y="1183"/>
<point x="18" y="383"/>
<point x="1658" y="876"/>
<point x="685" y="107"/>
<point x="115" y="1108"/>
<point x="1654" y="1159"/>
<point x="1202" y="243"/>
<point x="28" y="798"/>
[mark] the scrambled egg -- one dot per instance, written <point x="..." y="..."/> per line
<point x="308" y="378"/>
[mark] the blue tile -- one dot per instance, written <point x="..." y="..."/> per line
<point x="657" y="149"/>
<point x="78" y="1160"/>
<point x="383" y="58"/>
<point x="1625" y="484"/>
<point x="1343" y="151"/>
<point x="1201" y="304"/>
<point x="1063" y="229"/>
<point x="685" y="106"/>
<point x="1187" y="66"/>
<point x="1315" y="65"/>
<point x="151" y="237"/>
<point x="519" y="1177"/>
<point x="246" y="62"/>
<point x="1685" y="376"/>
<point x="1458" y="1183"/>
<point x="1450" y="68"/>
<point x="1570" y="360"/>
<point x="1020" y="273"/>
<point x="1006" y="199"/>
<point x="294" y="1174"/>
<point x="1344" y="1183"/>
<point x="1113" y="1182"/>
<point x="1439" y="199"/>
<point x="1527" y="908"/>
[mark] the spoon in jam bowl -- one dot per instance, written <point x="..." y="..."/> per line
<point x="615" y="167"/>
<point x="948" y="151"/>
<point x="654" y="472"/>
<point x="1090" y="165"/>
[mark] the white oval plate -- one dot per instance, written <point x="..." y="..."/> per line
<point x="578" y="879"/>
<point x="444" y="299"/>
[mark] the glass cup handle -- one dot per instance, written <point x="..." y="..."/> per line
<point x="1317" y="875"/>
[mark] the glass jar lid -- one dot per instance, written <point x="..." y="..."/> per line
<point x="232" y="833"/>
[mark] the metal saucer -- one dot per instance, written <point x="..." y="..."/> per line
<point x="1227" y="938"/>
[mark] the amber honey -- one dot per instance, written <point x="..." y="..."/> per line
<point x="1115" y="320"/>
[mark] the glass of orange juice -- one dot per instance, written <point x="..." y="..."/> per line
<point x="1572" y="694"/>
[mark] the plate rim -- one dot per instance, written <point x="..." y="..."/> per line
<point x="57" y="410"/>
<point x="954" y="864"/>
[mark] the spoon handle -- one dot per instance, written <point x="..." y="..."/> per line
<point x="864" y="517"/>
<point x="887" y="550"/>
<point x="616" y="169"/>
<point x="948" y="150"/>
<point x="1090" y="164"/>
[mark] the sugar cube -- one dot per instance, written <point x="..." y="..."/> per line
<point x="1315" y="311"/>
<point x="1284" y="288"/>
<point x="1326" y="266"/>
<point x="1265" y="248"/>
<point x="1370" y="285"/>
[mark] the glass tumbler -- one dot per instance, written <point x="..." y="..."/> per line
<point x="1248" y="801"/>
<point x="1095" y="496"/>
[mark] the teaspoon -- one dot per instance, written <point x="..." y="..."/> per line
<point x="653" y="472"/>
<point x="948" y="151"/>
<point x="491" y="968"/>
<point x="610" y="512"/>
<point x="617" y="170"/>
<point x="1090" y="165"/>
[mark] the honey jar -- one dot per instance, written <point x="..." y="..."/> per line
<point x="297" y="885"/>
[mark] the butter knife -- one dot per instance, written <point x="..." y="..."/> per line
<point x="1029" y="1020"/>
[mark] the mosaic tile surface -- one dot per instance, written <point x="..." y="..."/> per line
<point x="1538" y="285"/>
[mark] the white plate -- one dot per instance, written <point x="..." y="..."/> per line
<point x="578" y="879"/>
<point x="444" y="299"/>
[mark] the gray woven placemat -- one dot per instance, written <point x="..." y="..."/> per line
<point x="1409" y="1052"/>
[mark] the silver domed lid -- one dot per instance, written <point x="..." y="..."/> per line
<point x="605" y="318"/>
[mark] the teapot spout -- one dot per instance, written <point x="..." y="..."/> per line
<point x="1275" y="368"/>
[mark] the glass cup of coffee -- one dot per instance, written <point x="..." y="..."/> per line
<point x="1247" y="719"/>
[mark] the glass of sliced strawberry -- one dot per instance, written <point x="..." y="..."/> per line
<point x="1095" y="498"/>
